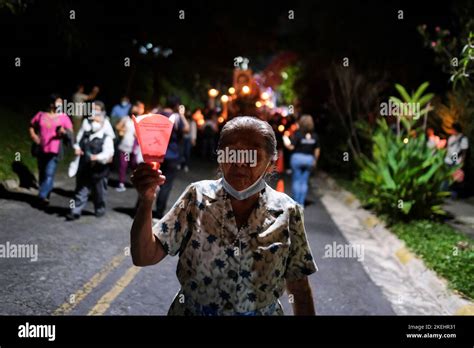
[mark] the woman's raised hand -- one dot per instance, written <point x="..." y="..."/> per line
<point x="147" y="180"/>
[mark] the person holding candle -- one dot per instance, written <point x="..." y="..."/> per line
<point x="240" y="243"/>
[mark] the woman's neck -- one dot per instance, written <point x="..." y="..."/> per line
<point x="243" y="208"/>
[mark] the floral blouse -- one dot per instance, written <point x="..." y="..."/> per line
<point x="224" y="270"/>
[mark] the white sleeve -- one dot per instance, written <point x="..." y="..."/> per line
<point x="79" y="135"/>
<point x="108" y="129"/>
<point x="464" y="143"/>
<point x="107" y="151"/>
<point x="193" y="130"/>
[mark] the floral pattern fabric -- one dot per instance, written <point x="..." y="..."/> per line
<point x="226" y="270"/>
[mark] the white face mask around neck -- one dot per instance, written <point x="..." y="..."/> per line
<point x="257" y="186"/>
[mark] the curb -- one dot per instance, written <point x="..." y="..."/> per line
<point x="422" y="278"/>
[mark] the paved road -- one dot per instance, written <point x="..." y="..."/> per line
<point x="84" y="267"/>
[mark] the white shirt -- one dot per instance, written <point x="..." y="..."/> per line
<point x="128" y="139"/>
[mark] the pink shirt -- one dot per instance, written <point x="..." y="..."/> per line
<point x="47" y="125"/>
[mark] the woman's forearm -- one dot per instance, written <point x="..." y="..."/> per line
<point x="303" y="302"/>
<point x="33" y="134"/>
<point x="145" y="249"/>
<point x="300" y="290"/>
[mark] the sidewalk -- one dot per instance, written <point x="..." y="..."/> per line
<point x="463" y="212"/>
<point x="410" y="286"/>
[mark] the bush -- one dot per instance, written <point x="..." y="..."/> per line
<point x="404" y="176"/>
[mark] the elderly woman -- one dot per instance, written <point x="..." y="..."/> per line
<point x="240" y="242"/>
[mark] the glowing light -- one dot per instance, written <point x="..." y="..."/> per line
<point x="246" y="89"/>
<point x="281" y="128"/>
<point x="213" y="92"/>
<point x="224" y="99"/>
<point x="220" y="119"/>
<point x="231" y="90"/>
<point x="258" y="104"/>
<point x="270" y="105"/>
<point x="200" y="122"/>
<point x="265" y="95"/>
<point x="405" y="141"/>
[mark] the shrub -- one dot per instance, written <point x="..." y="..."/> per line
<point x="404" y="176"/>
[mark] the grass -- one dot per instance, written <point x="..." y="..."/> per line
<point x="439" y="245"/>
<point x="443" y="249"/>
<point x="15" y="142"/>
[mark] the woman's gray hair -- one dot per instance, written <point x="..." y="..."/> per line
<point x="251" y="124"/>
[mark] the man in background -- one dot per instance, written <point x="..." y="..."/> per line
<point x="78" y="99"/>
<point x="121" y="110"/>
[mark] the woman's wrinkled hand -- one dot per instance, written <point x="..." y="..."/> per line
<point x="147" y="181"/>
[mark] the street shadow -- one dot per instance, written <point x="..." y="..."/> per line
<point x="29" y="198"/>
<point x="56" y="210"/>
<point x="127" y="211"/>
<point x="112" y="182"/>
<point x="62" y="211"/>
<point x="26" y="177"/>
<point x="32" y="200"/>
<point x="62" y="192"/>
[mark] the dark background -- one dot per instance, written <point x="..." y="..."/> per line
<point x="58" y="53"/>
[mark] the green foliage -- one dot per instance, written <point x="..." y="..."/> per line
<point x="416" y="98"/>
<point x="404" y="176"/>
<point x="14" y="141"/>
<point x="287" y="86"/>
<point x="465" y="66"/>
<point x="191" y="101"/>
<point x="443" y="249"/>
<point x="15" y="6"/>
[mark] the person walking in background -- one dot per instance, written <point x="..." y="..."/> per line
<point x="121" y="110"/>
<point x="48" y="130"/>
<point x="96" y="149"/>
<point x="127" y="145"/>
<point x="189" y="141"/>
<point x="169" y="167"/>
<point x="209" y="134"/>
<point x="98" y="110"/>
<point x="79" y="98"/>
<point x="305" y="147"/>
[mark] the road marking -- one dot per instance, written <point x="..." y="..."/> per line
<point x="404" y="255"/>
<point x="87" y="288"/>
<point x="105" y="301"/>
<point x="465" y="310"/>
